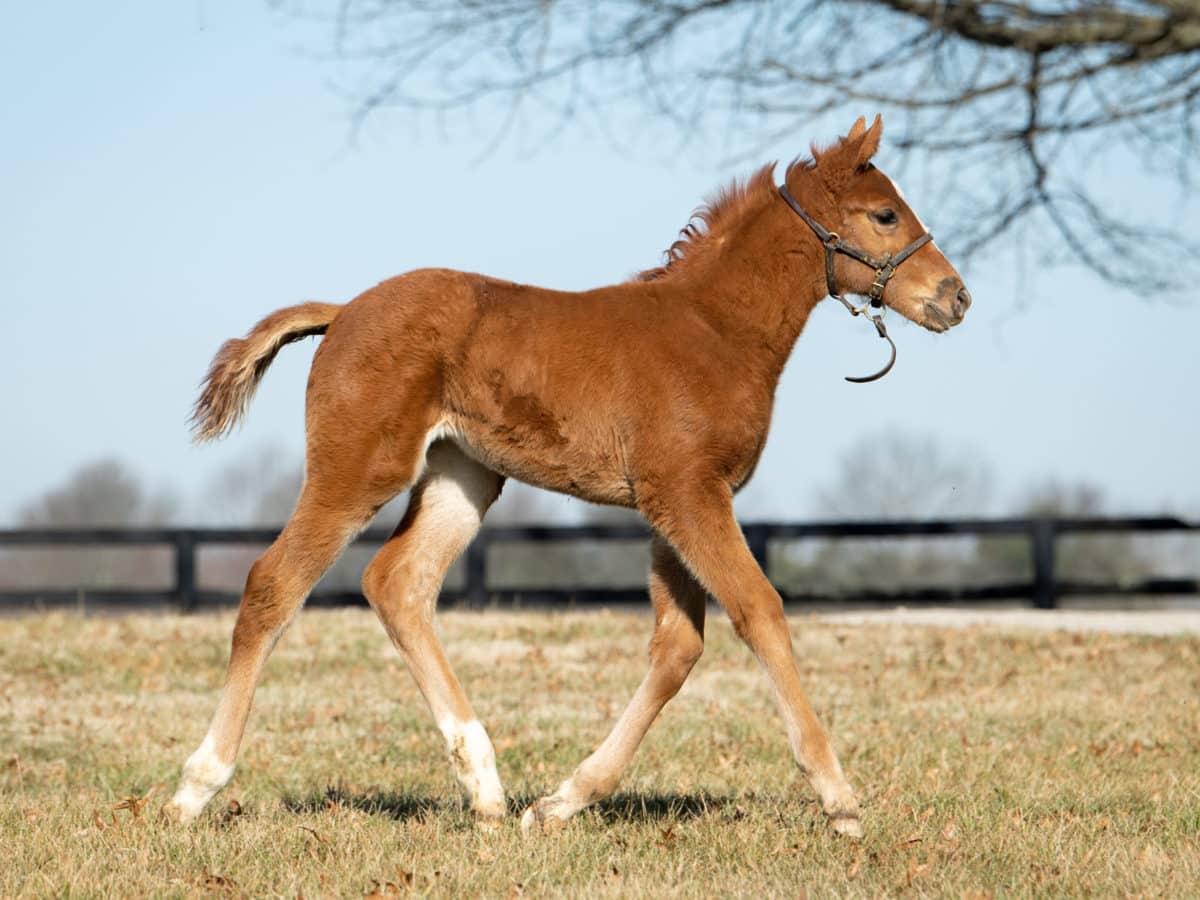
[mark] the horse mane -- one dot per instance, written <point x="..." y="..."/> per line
<point x="711" y="224"/>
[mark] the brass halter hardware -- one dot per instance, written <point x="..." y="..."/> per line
<point x="885" y="267"/>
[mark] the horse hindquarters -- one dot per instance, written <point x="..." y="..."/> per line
<point x="350" y="473"/>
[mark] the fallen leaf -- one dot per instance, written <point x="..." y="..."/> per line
<point x="134" y="804"/>
<point x="917" y="869"/>
<point x="382" y="889"/>
<point x="855" y="866"/>
<point x="214" y="882"/>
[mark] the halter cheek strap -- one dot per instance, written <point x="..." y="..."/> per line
<point x="885" y="267"/>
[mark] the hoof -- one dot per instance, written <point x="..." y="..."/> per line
<point x="541" y="819"/>
<point x="488" y="822"/>
<point x="850" y="826"/>
<point x="187" y="804"/>
<point x="174" y="813"/>
<point x="494" y="808"/>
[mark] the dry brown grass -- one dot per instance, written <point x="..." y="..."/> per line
<point x="989" y="763"/>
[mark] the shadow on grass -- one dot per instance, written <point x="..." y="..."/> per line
<point x="621" y="807"/>
<point x="398" y="805"/>
<point x="654" y="807"/>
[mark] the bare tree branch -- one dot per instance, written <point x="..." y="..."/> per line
<point x="1013" y="98"/>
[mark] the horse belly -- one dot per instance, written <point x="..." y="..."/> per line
<point x="548" y="453"/>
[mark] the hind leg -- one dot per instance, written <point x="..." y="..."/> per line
<point x="315" y="535"/>
<point x="275" y="587"/>
<point x="679" y="603"/>
<point x="348" y="477"/>
<point x="402" y="583"/>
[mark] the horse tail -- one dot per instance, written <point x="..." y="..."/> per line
<point x="241" y="363"/>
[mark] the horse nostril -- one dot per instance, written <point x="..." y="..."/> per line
<point x="962" y="300"/>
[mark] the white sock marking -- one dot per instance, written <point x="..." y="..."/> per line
<point x="475" y="764"/>
<point x="203" y="776"/>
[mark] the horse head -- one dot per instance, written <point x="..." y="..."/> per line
<point x="875" y="244"/>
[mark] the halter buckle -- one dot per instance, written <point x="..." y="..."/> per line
<point x="882" y="276"/>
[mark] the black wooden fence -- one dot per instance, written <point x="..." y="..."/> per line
<point x="1043" y="590"/>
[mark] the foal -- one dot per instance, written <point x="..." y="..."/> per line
<point x="654" y="394"/>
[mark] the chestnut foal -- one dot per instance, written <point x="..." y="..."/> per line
<point x="653" y="394"/>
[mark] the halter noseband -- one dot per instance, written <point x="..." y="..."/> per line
<point x="885" y="267"/>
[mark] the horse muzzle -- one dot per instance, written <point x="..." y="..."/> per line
<point x="942" y="315"/>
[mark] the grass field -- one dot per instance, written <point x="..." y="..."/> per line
<point x="989" y="764"/>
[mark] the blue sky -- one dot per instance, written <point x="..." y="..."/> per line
<point x="172" y="172"/>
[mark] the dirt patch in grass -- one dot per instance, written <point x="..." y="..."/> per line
<point x="989" y="762"/>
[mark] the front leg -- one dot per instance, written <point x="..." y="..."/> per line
<point x="700" y="525"/>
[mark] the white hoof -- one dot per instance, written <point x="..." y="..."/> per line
<point x="543" y="817"/>
<point x="185" y="807"/>
<point x="850" y="826"/>
<point x="203" y="776"/>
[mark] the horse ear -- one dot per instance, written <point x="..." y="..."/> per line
<point x="870" y="140"/>
<point x="839" y="164"/>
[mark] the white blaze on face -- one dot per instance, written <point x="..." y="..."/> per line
<point x="475" y="764"/>
<point x="203" y="775"/>
<point x="900" y="194"/>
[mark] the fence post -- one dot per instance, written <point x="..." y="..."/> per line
<point x="476" y="587"/>
<point x="185" y="569"/>
<point x="1042" y="535"/>
<point x="756" y="538"/>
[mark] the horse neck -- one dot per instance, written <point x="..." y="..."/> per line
<point x="763" y="284"/>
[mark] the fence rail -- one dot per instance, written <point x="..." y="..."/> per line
<point x="1043" y="590"/>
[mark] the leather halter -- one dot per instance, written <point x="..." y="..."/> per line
<point x="885" y="267"/>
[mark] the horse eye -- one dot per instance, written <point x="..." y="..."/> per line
<point x="885" y="216"/>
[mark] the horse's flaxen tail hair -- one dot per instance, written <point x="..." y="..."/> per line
<point x="241" y="363"/>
